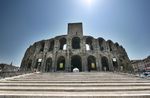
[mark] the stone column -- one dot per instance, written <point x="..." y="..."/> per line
<point x="98" y="58"/>
<point x="85" y="67"/>
<point x="68" y="54"/>
<point x="111" y="68"/>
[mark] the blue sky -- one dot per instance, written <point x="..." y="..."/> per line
<point x="23" y="22"/>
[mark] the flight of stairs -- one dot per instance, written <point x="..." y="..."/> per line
<point x="75" y="85"/>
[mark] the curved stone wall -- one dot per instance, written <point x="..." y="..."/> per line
<point x="66" y="52"/>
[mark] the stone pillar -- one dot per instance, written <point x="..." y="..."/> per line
<point x="44" y="62"/>
<point x="97" y="64"/>
<point x="68" y="54"/>
<point x="54" y="63"/>
<point x="84" y="63"/>
<point x="100" y="62"/>
<point x="111" y="68"/>
<point x="98" y="58"/>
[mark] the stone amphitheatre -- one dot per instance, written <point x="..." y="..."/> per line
<point x="74" y="50"/>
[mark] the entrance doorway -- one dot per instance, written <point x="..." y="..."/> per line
<point x="61" y="63"/>
<point x="105" y="65"/>
<point x="48" y="66"/>
<point x="91" y="63"/>
<point x="76" y="62"/>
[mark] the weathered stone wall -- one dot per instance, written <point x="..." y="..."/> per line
<point x="84" y="52"/>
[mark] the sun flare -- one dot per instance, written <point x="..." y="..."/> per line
<point x="88" y="2"/>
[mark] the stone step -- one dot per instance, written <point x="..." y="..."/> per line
<point x="74" y="84"/>
<point x="77" y="89"/>
<point x="79" y="78"/>
<point x="104" y="94"/>
<point x="119" y="80"/>
<point x="74" y="81"/>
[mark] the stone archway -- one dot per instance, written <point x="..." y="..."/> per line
<point x="76" y="43"/>
<point x="51" y="47"/>
<point x="101" y="41"/>
<point x="48" y="66"/>
<point x="42" y="44"/>
<point x="91" y="63"/>
<point x="38" y="64"/>
<point x="115" y="64"/>
<point x="105" y="65"/>
<point x="76" y="62"/>
<point x="89" y="42"/>
<point x="61" y="63"/>
<point x="62" y="42"/>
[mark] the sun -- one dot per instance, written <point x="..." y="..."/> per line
<point x="88" y="2"/>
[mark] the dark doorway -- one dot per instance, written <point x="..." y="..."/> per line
<point x="76" y="43"/>
<point x="61" y="63"/>
<point x="48" y="66"/>
<point x="105" y="65"/>
<point x="76" y="62"/>
<point x="91" y="63"/>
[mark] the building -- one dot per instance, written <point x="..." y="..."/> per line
<point x="140" y="65"/>
<point x="8" y="68"/>
<point x="66" y="52"/>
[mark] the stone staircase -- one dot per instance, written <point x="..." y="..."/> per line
<point x="75" y="85"/>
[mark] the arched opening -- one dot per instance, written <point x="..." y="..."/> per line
<point x="101" y="40"/>
<point x="29" y="65"/>
<point x="62" y="43"/>
<point x="65" y="47"/>
<point x="51" y="47"/>
<point x="89" y="42"/>
<point x="42" y="46"/>
<point x="116" y="44"/>
<point x="110" y="43"/>
<point x="76" y="43"/>
<point x="38" y="64"/>
<point x="105" y="65"/>
<point x="48" y="66"/>
<point x="115" y="64"/>
<point x="61" y="63"/>
<point x="87" y="47"/>
<point x="76" y="62"/>
<point x="91" y="63"/>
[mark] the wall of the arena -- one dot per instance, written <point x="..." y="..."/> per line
<point x="63" y="53"/>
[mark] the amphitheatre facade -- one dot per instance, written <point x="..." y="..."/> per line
<point x="74" y="50"/>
